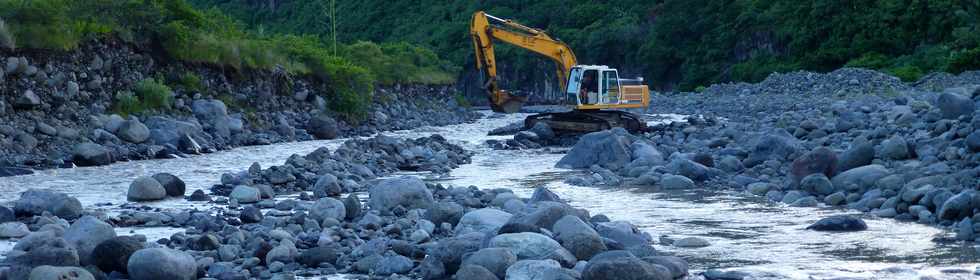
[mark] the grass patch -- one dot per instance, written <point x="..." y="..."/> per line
<point x="126" y="104"/>
<point x="154" y="95"/>
<point x="190" y="81"/>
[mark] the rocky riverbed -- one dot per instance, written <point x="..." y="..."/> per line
<point x="851" y="138"/>
<point x="56" y="109"/>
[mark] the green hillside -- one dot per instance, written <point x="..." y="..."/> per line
<point x="682" y="43"/>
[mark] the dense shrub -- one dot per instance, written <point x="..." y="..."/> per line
<point x="191" y="82"/>
<point x="154" y="95"/>
<point x="125" y="104"/>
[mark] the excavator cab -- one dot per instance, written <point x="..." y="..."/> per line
<point x="590" y="85"/>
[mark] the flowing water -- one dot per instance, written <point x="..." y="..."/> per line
<point x="747" y="234"/>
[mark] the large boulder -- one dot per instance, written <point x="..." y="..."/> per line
<point x="91" y="154"/>
<point x="860" y="154"/>
<point x="47" y="272"/>
<point x="623" y="267"/>
<point x="328" y="208"/>
<point x="532" y="246"/>
<point x="839" y="223"/>
<point x="495" y="260"/>
<point x="113" y="254"/>
<point x="133" y="131"/>
<point x="608" y="148"/>
<point x="87" y="233"/>
<point x="160" y="264"/>
<point x="958" y="206"/>
<point x="623" y="232"/>
<point x="646" y="155"/>
<point x="578" y="237"/>
<point x="323" y="127"/>
<point x="862" y="177"/>
<point x="485" y="220"/>
<point x="35" y="202"/>
<point x="175" y="186"/>
<point x="953" y="105"/>
<point x="408" y="192"/>
<point x="820" y="160"/>
<point x="145" y="189"/>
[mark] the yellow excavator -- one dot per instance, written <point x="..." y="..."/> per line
<point x="594" y="91"/>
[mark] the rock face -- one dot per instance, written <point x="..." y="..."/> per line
<point x="91" y="154"/>
<point x="161" y="263"/>
<point x="407" y="192"/>
<point x="87" y="233"/>
<point x="608" y="148"/>
<point x="146" y="189"/>
<point x="35" y="202"/>
<point x="839" y="223"/>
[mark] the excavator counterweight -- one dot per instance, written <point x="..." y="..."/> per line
<point x="594" y="91"/>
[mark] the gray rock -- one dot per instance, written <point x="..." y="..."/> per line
<point x="495" y="260"/>
<point x="245" y="194"/>
<point x="133" y="131"/>
<point x="895" y="148"/>
<point x="772" y="146"/>
<point x="35" y="202"/>
<point x="46" y="129"/>
<point x="409" y="192"/>
<point x="678" y="267"/>
<point x="837" y="198"/>
<point x="535" y="246"/>
<point x="145" y="189"/>
<point x="315" y="256"/>
<point x="175" y="186"/>
<point x="958" y="206"/>
<point x="821" y="160"/>
<point x="44" y="250"/>
<point x="676" y="182"/>
<point x="646" y="154"/>
<point x="973" y="141"/>
<point x="485" y="220"/>
<point x="28" y="100"/>
<point x="87" y="233"/>
<point x="839" y="223"/>
<point x="691" y="242"/>
<point x="251" y="215"/>
<point x="953" y="105"/>
<point x="578" y="237"/>
<point x="286" y="252"/>
<point x="113" y="123"/>
<point x="323" y="127"/>
<point x="395" y="264"/>
<point x="450" y="251"/>
<point x="859" y="155"/>
<point x="817" y="184"/>
<point x="352" y="206"/>
<point x="543" y="131"/>
<point x="326" y="185"/>
<point x="328" y="208"/>
<point x="624" y="233"/>
<point x="47" y="272"/>
<point x="91" y="154"/>
<point x="759" y="188"/>
<point x="533" y="270"/>
<point x="113" y="254"/>
<point x="864" y="176"/>
<point x="626" y="268"/>
<point x="13" y="230"/>
<point x="608" y="148"/>
<point x="162" y="263"/>
<point x="474" y="272"/>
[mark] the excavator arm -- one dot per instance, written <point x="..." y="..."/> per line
<point x="485" y="29"/>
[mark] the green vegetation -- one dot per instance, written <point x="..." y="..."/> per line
<point x="191" y="82"/>
<point x="154" y="95"/>
<point x="149" y="95"/>
<point x="673" y="43"/>
<point x="6" y="38"/>
<point x="209" y="37"/>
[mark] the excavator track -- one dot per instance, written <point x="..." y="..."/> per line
<point x="586" y="121"/>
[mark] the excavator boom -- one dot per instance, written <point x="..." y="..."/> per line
<point x="484" y="34"/>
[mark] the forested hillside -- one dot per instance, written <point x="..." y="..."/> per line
<point x="685" y="43"/>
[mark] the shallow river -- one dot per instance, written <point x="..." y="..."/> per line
<point x="746" y="233"/>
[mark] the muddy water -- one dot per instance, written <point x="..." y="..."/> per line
<point x="747" y="234"/>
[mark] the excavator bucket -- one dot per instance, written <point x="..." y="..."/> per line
<point x="503" y="102"/>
